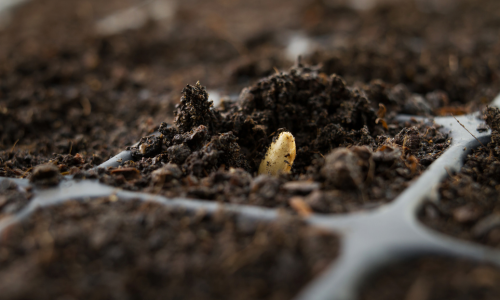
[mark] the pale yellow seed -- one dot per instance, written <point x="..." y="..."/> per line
<point x="142" y="148"/>
<point x="280" y="156"/>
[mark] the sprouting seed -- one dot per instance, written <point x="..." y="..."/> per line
<point x="280" y="156"/>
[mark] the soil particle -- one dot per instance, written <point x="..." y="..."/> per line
<point x="166" y="173"/>
<point x="434" y="278"/>
<point x="416" y="105"/>
<point x="114" y="249"/>
<point x="195" y="109"/>
<point x="304" y="187"/>
<point x="409" y="139"/>
<point x="178" y="153"/>
<point x="482" y="127"/>
<point x="343" y="168"/>
<point x="437" y="99"/>
<point x="126" y="173"/>
<point x="148" y="146"/>
<point x="47" y="174"/>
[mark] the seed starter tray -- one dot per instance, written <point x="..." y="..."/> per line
<point x="370" y="240"/>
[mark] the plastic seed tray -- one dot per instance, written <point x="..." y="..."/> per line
<point x="369" y="240"/>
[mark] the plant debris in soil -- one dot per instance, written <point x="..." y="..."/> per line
<point x="469" y="207"/>
<point x="113" y="249"/>
<point x="434" y="278"/>
<point x="349" y="156"/>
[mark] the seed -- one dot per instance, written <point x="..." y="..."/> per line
<point x="280" y="156"/>
<point x="142" y="148"/>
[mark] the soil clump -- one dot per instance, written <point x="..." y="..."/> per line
<point x="218" y="150"/>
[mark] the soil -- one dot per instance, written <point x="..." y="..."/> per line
<point x="469" y="207"/>
<point x="113" y="249"/>
<point x="67" y="87"/>
<point x="433" y="278"/>
<point x="74" y="92"/>
<point x="214" y="154"/>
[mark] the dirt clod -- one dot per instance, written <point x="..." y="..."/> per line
<point x="47" y="174"/>
<point x="195" y="109"/>
<point x="344" y="169"/>
<point x="339" y="145"/>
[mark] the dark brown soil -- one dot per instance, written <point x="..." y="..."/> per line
<point x="72" y="96"/>
<point x="434" y="278"/>
<point x="68" y="88"/>
<point x="445" y="51"/>
<point x="214" y="154"/>
<point x="469" y="207"/>
<point x="113" y="249"/>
